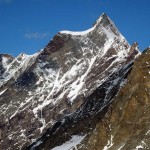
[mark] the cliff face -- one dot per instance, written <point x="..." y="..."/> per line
<point x="63" y="90"/>
<point x="127" y="122"/>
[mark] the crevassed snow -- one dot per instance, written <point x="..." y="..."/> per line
<point x="69" y="145"/>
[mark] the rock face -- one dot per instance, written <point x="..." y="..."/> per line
<point x="62" y="91"/>
<point x="127" y="122"/>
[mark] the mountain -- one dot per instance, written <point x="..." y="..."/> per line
<point x="63" y="91"/>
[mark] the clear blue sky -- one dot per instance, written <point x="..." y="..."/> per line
<point x="28" y="25"/>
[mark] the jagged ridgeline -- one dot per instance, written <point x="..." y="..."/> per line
<point x="58" y="95"/>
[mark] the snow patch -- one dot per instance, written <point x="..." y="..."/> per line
<point x="81" y="32"/>
<point x="78" y="84"/>
<point x="120" y="148"/>
<point x="109" y="144"/>
<point x="72" y="143"/>
<point x="2" y="92"/>
<point x="4" y="62"/>
<point x="77" y="33"/>
<point x="37" y="144"/>
<point x="148" y="132"/>
<point x="139" y="146"/>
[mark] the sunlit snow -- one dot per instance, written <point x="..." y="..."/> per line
<point x="71" y="144"/>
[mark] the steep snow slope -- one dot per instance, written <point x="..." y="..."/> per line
<point x="41" y="89"/>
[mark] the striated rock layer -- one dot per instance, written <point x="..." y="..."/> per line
<point x="62" y="91"/>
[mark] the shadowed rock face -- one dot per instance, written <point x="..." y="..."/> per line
<point x="70" y="82"/>
<point x="126" y="125"/>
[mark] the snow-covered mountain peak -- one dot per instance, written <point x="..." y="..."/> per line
<point x="103" y="24"/>
<point x="54" y="83"/>
<point x="101" y="19"/>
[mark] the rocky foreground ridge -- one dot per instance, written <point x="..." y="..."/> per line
<point x="126" y="125"/>
<point x="66" y="92"/>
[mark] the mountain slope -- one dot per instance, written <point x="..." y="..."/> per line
<point x="77" y="74"/>
<point x="127" y="123"/>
